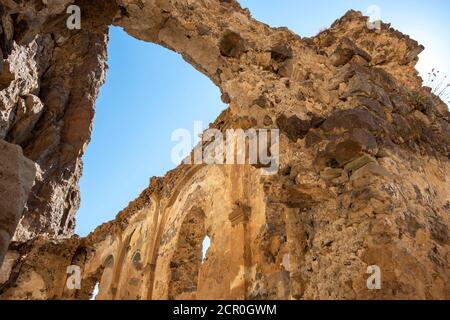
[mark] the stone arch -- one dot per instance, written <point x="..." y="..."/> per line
<point x="103" y="277"/>
<point x="131" y="272"/>
<point x="187" y="258"/>
<point x="209" y="46"/>
<point x="106" y="277"/>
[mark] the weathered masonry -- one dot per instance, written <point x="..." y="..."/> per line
<point x="363" y="177"/>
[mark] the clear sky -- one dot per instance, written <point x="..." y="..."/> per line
<point x="150" y="92"/>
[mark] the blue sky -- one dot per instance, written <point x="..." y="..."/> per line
<point x="150" y="92"/>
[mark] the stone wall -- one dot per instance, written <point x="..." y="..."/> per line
<point x="17" y="175"/>
<point x="363" y="177"/>
<point x="47" y="105"/>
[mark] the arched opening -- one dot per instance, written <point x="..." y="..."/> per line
<point x="97" y="285"/>
<point x="188" y="256"/>
<point x="149" y="93"/>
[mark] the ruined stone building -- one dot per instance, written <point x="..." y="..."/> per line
<point x="363" y="175"/>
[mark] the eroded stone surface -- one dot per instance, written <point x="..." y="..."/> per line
<point x="363" y="176"/>
<point x="17" y="175"/>
<point x="48" y="106"/>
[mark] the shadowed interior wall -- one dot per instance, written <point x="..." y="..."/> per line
<point x="187" y="259"/>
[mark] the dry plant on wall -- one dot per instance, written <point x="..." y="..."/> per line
<point x="439" y="85"/>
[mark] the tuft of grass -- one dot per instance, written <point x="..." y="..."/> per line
<point x="421" y="102"/>
<point x="416" y="99"/>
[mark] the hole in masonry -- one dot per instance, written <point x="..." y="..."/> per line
<point x="205" y="246"/>
<point x="96" y="290"/>
<point x="150" y="93"/>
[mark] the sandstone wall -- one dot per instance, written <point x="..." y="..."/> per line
<point x="47" y="104"/>
<point x="363" y="176"/>
<point x="17" y="176"/>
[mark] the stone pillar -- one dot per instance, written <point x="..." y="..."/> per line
<point x="240" y="251"/>
<point x="17" y="175"/>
